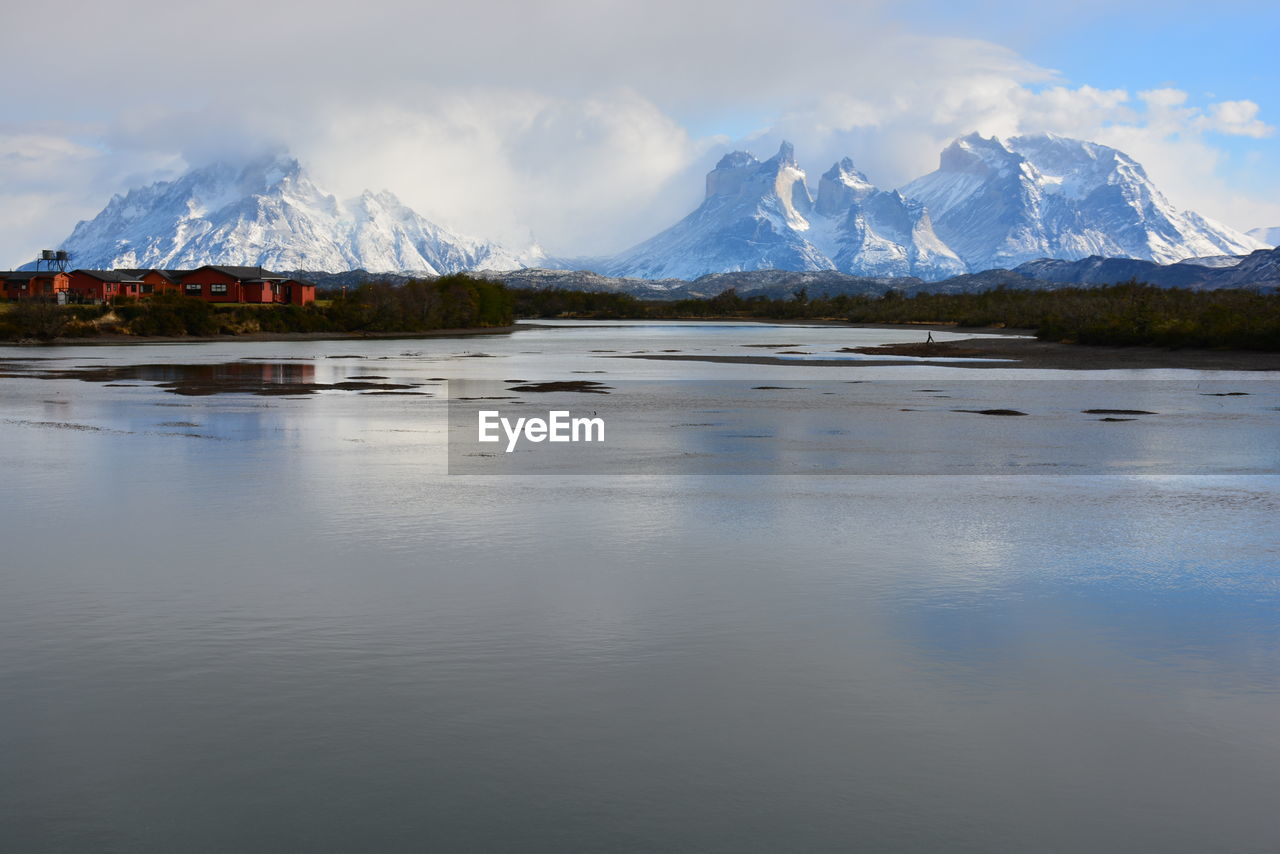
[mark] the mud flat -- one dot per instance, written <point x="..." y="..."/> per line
<point x="1013" y="352"/>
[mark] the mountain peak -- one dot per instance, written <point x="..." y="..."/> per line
<point x="760" y="216"/>
<point x="1000" y="203"/>
<point x="1078" y="166"/>
<point x="844" y="172"/>
<point x="840" y="187"/>
<point x="263" y="171"/>
<point x="734" y="172"/>
<point x="267" y="212"/>
<point x="976" y="153"/>
<point x="275" y="168"/>
<point x="737" y="160"/>
<point x="786" y="155"/>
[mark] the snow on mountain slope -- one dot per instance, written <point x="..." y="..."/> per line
<point x="761" y="216"/>
<point x="1001" y="203"/>
<point x="990" y="204"/>
<point x="752" y="218"/>
<point x="871" y="232"/>
<point x="269" y="213"/>
<point x="1266" y="236"/>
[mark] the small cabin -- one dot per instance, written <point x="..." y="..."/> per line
<point x="297" y="292"/>
<point x="104" y="285"/>
<point x="25" y="284"/>
<point x="156" y="281"/>
<point x="231" y="284"/>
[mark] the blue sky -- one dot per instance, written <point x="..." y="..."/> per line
<point x="588" y="124"/>
<point x="1212" y="51"/>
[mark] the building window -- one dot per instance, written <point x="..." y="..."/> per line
<point x="146" y="289"/>
<point x="217" y="289"/>
<point x="192" y="289"/>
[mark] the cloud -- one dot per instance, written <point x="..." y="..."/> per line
<point x="895" y="134"/>
<point x="516" y="165"/>
<point x="50" y="177"/>
<point x="565" y="120"/>
<point x="1239" y="118"/>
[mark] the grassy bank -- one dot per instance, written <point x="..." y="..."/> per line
<point x="450" y="302"/>
<point x="1126" y="314"/>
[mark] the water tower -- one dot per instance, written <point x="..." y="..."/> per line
<point x="53" y="259"/>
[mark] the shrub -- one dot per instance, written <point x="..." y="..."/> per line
<point x="36" y="318"/>
<point x="172" y="315"/>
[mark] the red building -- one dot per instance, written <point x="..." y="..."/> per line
<point x="157" y="281"/>
<point x="212" y="283"/>
<point x="104" y="285"/>
<point x="24" y="284"/>
<point x="227" y="284"/>
<point x="245" y="285"/>
<point x="297" y="292"/>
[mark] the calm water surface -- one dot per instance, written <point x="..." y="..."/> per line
<point x="262" y="623"/>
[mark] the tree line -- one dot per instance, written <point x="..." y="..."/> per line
<point x="1129" y="313"/>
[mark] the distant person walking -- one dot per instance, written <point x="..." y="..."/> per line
<point x="929" y="340"/>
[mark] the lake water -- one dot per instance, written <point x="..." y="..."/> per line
<point x="242" y="621"/>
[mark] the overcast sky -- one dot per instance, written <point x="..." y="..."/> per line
<point x="588" y="124"/>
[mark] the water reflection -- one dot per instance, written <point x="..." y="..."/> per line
<point x="301" y="634"/>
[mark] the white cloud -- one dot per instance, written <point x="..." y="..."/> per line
<point x="566" y="120"/>
<point x="569" y="172"/>
<point x="1239" y="118"/>
<point x="42" y="172"/>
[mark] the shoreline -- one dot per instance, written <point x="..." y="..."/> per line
<point x="580" y="322"/>
<point x="1004" y="343"/>
<point x="1026" y="353"/>
<point x="137" y="340"/>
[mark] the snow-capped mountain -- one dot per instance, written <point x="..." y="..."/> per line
<point x="751" y="219"/>
<point x="871" y="232"/>
<point x="269" y="213"/>
<point x="991" y="204"/>
<point x="761" y="216"/>
<point x="1001" y="203"/>
<point x="1266" y="236"/>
